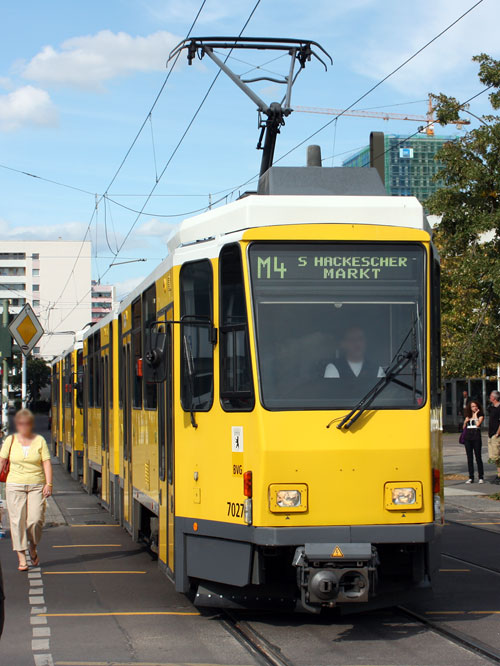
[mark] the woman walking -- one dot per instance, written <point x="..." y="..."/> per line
<point x="472" y="429"/>
<point x="29" y="483"/>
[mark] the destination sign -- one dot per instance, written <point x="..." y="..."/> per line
<point x="334" y="262"/>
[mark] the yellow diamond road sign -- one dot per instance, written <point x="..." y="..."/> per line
<point x="26" y="329"/>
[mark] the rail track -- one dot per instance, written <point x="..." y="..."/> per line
<point x="271" y="655"/>
<point x="259" y="647"/>
<point x="464" y="640"/>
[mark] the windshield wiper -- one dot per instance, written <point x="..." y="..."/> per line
<point x="395" y="369"/>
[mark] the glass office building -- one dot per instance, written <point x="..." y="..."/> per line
<point x="410" y="164"/>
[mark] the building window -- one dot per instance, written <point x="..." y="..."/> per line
<point x="36" y="350"/>
<point x="12" y="270"/>
<point x="15" y="286"/>
<point x="35" y="272"/>
<point x="12" y="255"/>
<point x="36" y="304"/>
<point x="35" y="256"/>
<point x="36" y="287"/>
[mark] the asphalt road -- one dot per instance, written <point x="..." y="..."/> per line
<point x="100" y="600"/>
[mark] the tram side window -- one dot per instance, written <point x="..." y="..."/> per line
<point x="97" y="370"/>
<point x="435" y="333"/>
<point x="197" y="360"/>
<point x="90" y="372"/>
<point x="137" y="352"/>
<point x="79" y="379"/>
<point x="121" y="376"/>
<point x="149" y="315"/>
<point x="68" y="384"/>
<point x="110" y="368"/>
<point x="55" y="387"/>
<point x="236" y="386"/>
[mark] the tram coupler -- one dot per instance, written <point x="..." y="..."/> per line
<point x="328" y="574"/>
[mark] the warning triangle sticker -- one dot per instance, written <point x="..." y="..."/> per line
<point x="337" y="552"/>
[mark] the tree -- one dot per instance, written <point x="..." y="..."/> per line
<point x="468" y="236"/>
<point x="37" y="377"/>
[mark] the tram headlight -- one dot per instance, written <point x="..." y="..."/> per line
<point x="286" y="498"/>
<point x="403" y="496"/>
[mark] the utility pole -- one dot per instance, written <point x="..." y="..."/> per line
<point x="23" y="381"/>
<point x="5" y="368"/>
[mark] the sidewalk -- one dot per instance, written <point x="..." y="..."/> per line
<point x="466" y="502"/>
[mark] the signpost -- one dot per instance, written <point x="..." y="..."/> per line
<point x="26" y="331"/>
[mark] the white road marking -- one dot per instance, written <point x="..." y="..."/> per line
<point x="40" y="643"/>
<point x="39" y="632"/>
<point x="38" y="620"/>
<point x="43" y="660"/>
<point x="37" y="600"/>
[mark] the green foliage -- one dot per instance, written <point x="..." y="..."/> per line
<point x="37" y="377"/>
<point x="468" y="236"/>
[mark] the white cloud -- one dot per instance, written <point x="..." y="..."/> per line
<point x="26" y="106"/>
<point x="88" y="61"/>
<point x="397" y="30"/>
<point x="68" y="231"/>
<point x="124" y="288"/>
<point x="155" y="228"/>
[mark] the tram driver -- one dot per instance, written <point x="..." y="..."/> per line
<point x="352" y="367"/>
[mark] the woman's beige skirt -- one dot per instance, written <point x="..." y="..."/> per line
<point x="26" y="506"/>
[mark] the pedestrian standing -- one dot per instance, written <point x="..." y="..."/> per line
<point x="29" y="483"/>
<point x="472" y="430"/>
<point x="494" y="433"/>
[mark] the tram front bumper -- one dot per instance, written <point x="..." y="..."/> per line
<point x="331" y="573"/>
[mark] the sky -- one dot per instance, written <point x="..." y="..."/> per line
<point x="77" y="80"/>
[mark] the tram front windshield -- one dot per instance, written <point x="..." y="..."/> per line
<point x="331" y="319"/>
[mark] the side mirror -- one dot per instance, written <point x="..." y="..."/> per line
<point x="155" y="366"/>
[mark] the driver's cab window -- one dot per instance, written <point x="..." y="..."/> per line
<point x="197" y="362"/>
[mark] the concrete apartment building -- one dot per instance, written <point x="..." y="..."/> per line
<point x="103" y="300"/>
<point x="36" y="272"/>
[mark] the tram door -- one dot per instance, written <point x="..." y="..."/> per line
<point x="166" y="452"/>
<point x="105" y="429"/>
<point x="127" y="435"/>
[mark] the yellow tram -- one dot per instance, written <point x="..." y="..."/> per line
<point x="67" y="408"/>
<point x="264" y="409"/>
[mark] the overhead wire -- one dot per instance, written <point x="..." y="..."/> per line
<point x="169" y="160"/>
<point x="383" y="80"/>
<point x="184" y="134"/>
<point x="47" y="180"/>
<point x="130" y="148"/>
<point x="368" y="92"/>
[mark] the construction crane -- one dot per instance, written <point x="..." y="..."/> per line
<point x="383" y="115"/>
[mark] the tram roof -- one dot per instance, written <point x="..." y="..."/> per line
<point x="272" y="210"/>
<point x="258" y="210"/>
